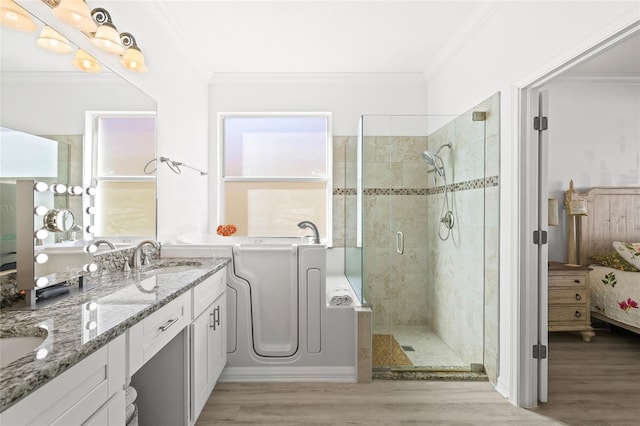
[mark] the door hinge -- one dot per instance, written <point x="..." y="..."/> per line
<point x="539" y="351"/>
<point x="540" y="123"/>
<point x="539" y="237"/>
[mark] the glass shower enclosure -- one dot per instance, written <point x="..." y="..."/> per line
<point x="418" y="246"/>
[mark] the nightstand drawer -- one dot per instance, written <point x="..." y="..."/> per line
<point x="565" y="313"/>
<point x="562" y="296"/>
<point x="573" y="280"/>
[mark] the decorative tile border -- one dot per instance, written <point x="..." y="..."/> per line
<point x="454" y="187"/>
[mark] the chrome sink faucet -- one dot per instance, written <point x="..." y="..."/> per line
<point x="136" y="260"/>
<point x="105" y="242"/>
<point x="310" y="225"/>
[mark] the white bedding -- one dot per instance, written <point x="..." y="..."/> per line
<point x="615" y="294"/>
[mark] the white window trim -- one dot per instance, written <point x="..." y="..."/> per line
<point x="329" y="166"/>
<point x="89" y="165"/>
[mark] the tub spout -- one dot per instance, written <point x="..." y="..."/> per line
<point x="310" y="225"/>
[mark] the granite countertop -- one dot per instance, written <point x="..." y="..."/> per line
<point x="83" y="322"/>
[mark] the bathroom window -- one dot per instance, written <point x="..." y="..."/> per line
<point x="276" y="172"/>
<point x="120" y="160"/>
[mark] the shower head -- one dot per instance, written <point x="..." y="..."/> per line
<point x="430" y="158"/>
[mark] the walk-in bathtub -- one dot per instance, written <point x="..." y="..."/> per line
<point x="279" y="324"/>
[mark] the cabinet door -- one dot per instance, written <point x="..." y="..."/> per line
<point x="219" y="336"/>
<point x="201" y="355"/>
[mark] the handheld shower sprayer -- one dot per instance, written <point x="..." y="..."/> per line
<point x="433" y="159"/>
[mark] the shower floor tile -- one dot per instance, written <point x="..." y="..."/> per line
<point x="429" y="351"/>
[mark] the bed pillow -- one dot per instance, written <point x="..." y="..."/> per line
<point x="613" y="260"/>
<point x="629" y="252"/>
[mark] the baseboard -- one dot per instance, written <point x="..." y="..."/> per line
<point x="289" y="374"/>
<point x="502" y="387"/>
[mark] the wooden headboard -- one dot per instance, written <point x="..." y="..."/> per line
<point x="613" y="214"/>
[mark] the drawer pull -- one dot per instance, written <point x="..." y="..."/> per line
<point x="578" y="297"/>
<point x="578" y="314"/>
<point x="168" y="324"/>
<point x="576" y="281"/>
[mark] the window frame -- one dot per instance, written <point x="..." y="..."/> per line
<point x="221" y="179"/>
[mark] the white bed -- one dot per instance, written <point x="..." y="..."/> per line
<point x="612" y="214"/>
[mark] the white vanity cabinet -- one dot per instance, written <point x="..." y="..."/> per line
<point x="90" y="392"/>
<point x="208" y="339"/>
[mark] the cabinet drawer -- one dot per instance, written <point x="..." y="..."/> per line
<point x="207" y="291"/>
<point x="151" y="334"/>
<point x="561" y="296"/>
<point x="571" y="280"/>
<point x="577" y="313"/>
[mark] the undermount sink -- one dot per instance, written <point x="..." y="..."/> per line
<point x="170" y="267"/>
<point x="14" y="347"/>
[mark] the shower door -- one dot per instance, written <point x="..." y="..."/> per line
<point x="424" y="281"/>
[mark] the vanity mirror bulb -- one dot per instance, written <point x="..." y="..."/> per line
<point x="58" y="188"/>
<point x="90" y="267"/>
<point x="91" y="210"/>
<point x="41" y="234"/>
<point x="41" y="282"/>
<point x="40" y="186"/>
<point x="41" y="258"/>
<point x="91" y="190"/>
<point x="40" y="210"/>
<point x="90" y="229"/>
<point x="75" y="190"/>
<point x="92" y="248"/>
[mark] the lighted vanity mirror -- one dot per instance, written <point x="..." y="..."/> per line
<point x="67" y="114"/>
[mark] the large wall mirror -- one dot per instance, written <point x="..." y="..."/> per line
<point x="62" y="125"/>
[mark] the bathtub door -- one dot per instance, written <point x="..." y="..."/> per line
<point x="272" y="273"/>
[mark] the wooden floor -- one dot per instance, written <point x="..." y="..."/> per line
<point x="595" y="383"/>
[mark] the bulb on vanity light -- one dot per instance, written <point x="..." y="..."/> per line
<point x="41" y="234"/>
<point x="90" y="229"/>
<point x="91" y="210"/>
<point x="91" y="248"/>
<point x="91" y="190"/>
<point x="41" y="258"/>
<point x="40" y="186"/>
<point x="90" y="267"/>
<point x="40" y="210"/>
<point x="58" y="188"/>
<point x="41" y="282"/>
<point x="75" y="190"/>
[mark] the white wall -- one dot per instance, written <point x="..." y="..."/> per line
<point x="594" y="140"/>
<point x="520" y="42"/>
<point x="346" y="96"/>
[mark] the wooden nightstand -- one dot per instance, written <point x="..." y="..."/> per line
<point x="569" y="299"/>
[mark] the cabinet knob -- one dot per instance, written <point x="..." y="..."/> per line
<point x="578" y="297"/>
<point x="578" y="314"/>
<point x="576" y="281"/>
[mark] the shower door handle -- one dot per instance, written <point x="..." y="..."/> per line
<point x="400" y="242"/>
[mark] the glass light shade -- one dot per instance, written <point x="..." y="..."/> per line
<point x="41" y="234"/>
<point x="77" y="14"/>
<point x="14" y="17"/>
<point x="107" y="38"/>
<point x="40" y="186"/>
<point x="58" y="188"/>
<point x="41" y="258"/>
<point x="134" y="60"/>
<point x="40" y="210"/>
<point x="85" y="62"/>
<point x="52" y="40"/>
<point x="41" y="281"/>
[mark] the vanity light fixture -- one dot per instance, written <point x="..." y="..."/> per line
<point x="15" y="17"/>
<point x="132" y="58"/>
<point x="41" y="258"/>
<point x="41" y="282"/>
<point x="106" y="36"/>
<point x="90" y="229"/>
<point x="75" y="190"/>
<point x="53" y="41"/>
<point x="91" y="190"/>
<point x="90" y="267"/>
<point x="76" y="13"/>
<point x="91" y="210"/>
<point x="41" y="234"/>
<point x="85" y="62"/>
<point x="91" y="248"/>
